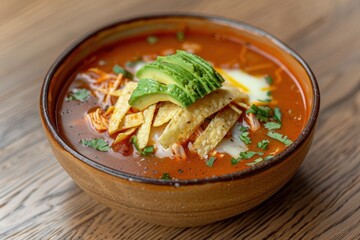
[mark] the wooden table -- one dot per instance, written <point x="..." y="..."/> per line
<point x="38" y="200"/>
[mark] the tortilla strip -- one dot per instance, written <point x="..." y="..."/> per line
<point x="216" y="131"/>
<point x="132" y="120"/>
<point x="121" y="107"/>
<point x="186" y="120"/>
<point x="124" y="135"/>
<point x="165" y="113"/>
<point x="144" y="130"/>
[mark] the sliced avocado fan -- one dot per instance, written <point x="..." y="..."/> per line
<point x="149" y="91"/>
<point x="181" y="78"/>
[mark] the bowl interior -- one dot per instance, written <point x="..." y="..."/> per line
<point x="64" y="67"/>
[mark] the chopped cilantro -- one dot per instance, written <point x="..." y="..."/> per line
<point x="262" y="113"/>
<point x="268" y="157"/>
<point x="277" y="114"/>
<point x="269" y="80"/>
<point x="263" y="144"/>
<point x="268" y="93"/>
<point x="96" y="143"/>
<point x="152" y="39"/>
<point x="245" y="137"/>
<point x="148" y="150"/>
<point x="165" y="176"/>
<point x="280" y="138"/>
<point x="119" y="70"/>
<point x="243" y="129"/>
<point x="81" y="95"/>
<point x="235" y="161"/>
<point x="249" y="154"/>
<point x="180" y="36"/>
<point x="272" y="125"/>
<point x="210" y="162"/>
<point x="255" y="161"/>
<point x="245" y="155"/>
<point x="134" y="141"/>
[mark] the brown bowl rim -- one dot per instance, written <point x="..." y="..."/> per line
<point x="178" y="182"/>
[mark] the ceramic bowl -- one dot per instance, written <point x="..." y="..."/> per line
<point x="179" y="203"/>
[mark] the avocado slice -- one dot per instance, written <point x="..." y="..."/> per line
<point x="205" y="70"/>
<point x="186" y="65"/>
<point x="149" y="91"/>
<point x="169" y="73"/>
<point x="203" y="67"/>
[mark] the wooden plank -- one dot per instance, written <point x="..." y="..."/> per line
<point x="39" y="200"/>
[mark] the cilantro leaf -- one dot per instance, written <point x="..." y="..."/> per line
<point x="263" y="144"/>
<point x="255" y="161"/>
<point x="245" y="137"/>
<point x="235" y="161"/>
<point x="119" y="70"/>
<point x="152" y="39"/>
<point x="277" y="114"/>
<point x="269" y="80"/>
<point x="268" y="157"/>
<point x="210" y="162"/>
<point x="165" y="176"/>
<point x="245" y="155"/>
<point x="81" y="95"/>
<point x="272" y="125"/>
<point x="262" y="113"/>
<point x="180" y="36"/>
<point x="280" y="138"/>
<point x="148" y="150"/>
<point x="96" y="143"/>
<point x="249" y="154"/>
<point x="243" y="129"/>
<point x="134" y="141"/>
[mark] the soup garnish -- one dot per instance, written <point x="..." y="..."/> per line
<point x="173" y="114"/>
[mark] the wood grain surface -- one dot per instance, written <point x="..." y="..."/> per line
<point x="38" y="200"/>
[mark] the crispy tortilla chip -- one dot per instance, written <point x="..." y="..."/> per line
<point x="186" y="120"/>
<point x="144" y="130"/>
<point x="121" y="107"/>
<point x="124" y="135"/>
<point x="132" y="120"/>
<point x="215" y="131"/>
<point x="165" y="113"/>
<point x="109" y="111"/>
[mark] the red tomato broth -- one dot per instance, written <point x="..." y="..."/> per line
<point x="220" y="51"/>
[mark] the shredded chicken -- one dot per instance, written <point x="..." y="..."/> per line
<point x="178" y="151"/>
<point x="253" y="122"/>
